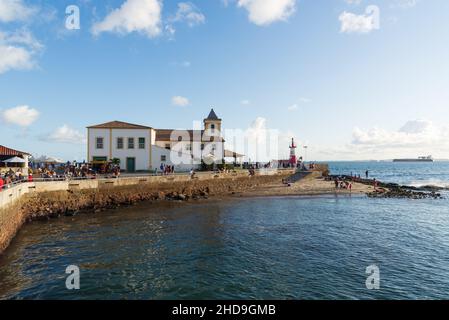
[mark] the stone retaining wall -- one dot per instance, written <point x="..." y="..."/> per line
<point x="43" y="200"/>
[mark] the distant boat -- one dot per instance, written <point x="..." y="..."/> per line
<point x="420" y="159"/>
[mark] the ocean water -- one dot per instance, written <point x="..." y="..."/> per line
<point x="248" y="248"/>
<point x="413" y="173"/>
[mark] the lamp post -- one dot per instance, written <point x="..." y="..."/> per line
<point x="305" y="153"/>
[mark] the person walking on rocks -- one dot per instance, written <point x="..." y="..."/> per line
<point x="367" y="174"/>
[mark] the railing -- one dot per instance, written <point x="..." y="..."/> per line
<point x="12" y="184"/>
<point x="131" y="176"/>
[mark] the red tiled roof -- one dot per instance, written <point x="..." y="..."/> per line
<point x="195" y="135"/>
<point x="232" y="154"/>
<point x="4" y="151"/>
<point x="118" y="125"/>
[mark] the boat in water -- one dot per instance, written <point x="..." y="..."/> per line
<point x="420" y="159"/>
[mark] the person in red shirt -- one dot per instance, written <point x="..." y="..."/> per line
<point x="1" y="184"/>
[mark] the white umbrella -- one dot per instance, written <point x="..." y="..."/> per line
<point x="14" y="160"/>
<point x="45" y="159"/>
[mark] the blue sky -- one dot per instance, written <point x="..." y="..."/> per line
<point x="319" y="70"/>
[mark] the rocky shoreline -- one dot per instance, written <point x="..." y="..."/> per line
<point x="394" y="190"/>
<point x="55" y="204"/>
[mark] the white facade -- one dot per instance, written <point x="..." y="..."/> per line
<point x="136" y="149"/>
<point x="142" y="148"/>
<point x="128" y="145"/>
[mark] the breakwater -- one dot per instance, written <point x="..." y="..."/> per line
<point x="54" y="199"/>
<point x="394" y="190"/>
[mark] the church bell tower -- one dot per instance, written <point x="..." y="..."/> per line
<point x="212" y="125"/>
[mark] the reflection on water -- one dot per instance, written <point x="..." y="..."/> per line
<point x="281" y="248"/>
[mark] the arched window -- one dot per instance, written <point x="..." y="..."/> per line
<point x="212" y="128"/>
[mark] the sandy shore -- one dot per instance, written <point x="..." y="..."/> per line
<point x="313" y="184"/>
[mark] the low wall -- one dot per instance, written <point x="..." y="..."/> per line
<point x="11" y="217"/>
<point x="9" y="196"/>
<point x="36" y="200"/>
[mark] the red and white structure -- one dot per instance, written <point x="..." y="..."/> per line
<point x="293" y="159"/>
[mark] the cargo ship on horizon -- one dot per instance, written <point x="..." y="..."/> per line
<point x="419" y="159"/>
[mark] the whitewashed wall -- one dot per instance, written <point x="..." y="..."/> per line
<point x="93" y="151"/>
<point x="142" y="155"/>
<point x="171" y="157"/>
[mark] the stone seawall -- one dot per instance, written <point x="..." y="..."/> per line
<point x="11" y="220"/>
<point x="51" y="204"/>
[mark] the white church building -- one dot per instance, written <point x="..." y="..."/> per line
<point x="144" y="148"/>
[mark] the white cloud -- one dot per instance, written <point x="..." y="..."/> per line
<point x="415" y="138"/>
<point x="184" y="64"/>
<point x="65" y="134"/>
<point x="293" y="107"/>
<point x="22" y="116"/>
<point x="416" y="133"/>
<point x="170" y="31"/>
<point x="365" y="23"/>
<point x="353" y="2"/>
<point x="143" y="16"/>
<point x="21" y="37"/>
<point x="265" y="12"/>
<point x="404" y="4"/>
<point x="14" y="10"/>
<point x="17" y="50"/>
<point x="245" y="102"/>
<point x="180" y="101"/>
<point x="14" y="58"/>
<point x="188" y="13"/>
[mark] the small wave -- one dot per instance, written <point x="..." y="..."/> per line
<point x="430" y="183"/>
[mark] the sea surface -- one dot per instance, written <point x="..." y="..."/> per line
<point x="248" y="248"/>
<point x="407" y="173"/>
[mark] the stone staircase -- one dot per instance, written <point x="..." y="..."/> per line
<point x="299" y="176"/>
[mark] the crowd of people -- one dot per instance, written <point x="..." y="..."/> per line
<point x="73" y="170"/>
<point x="346" y="182"/>
<point x="11" y="177"/>
<point x="166" y="169"/>
<point x="343" y="184"/>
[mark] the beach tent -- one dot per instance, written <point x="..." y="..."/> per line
<point x="50" y="160"/>
<point x="14" y="160"/>
<point x="236" y="157"/>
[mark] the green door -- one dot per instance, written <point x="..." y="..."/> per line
<point x="130" y="164"/>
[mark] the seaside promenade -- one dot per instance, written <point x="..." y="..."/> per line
<point x="15" y="191"/>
